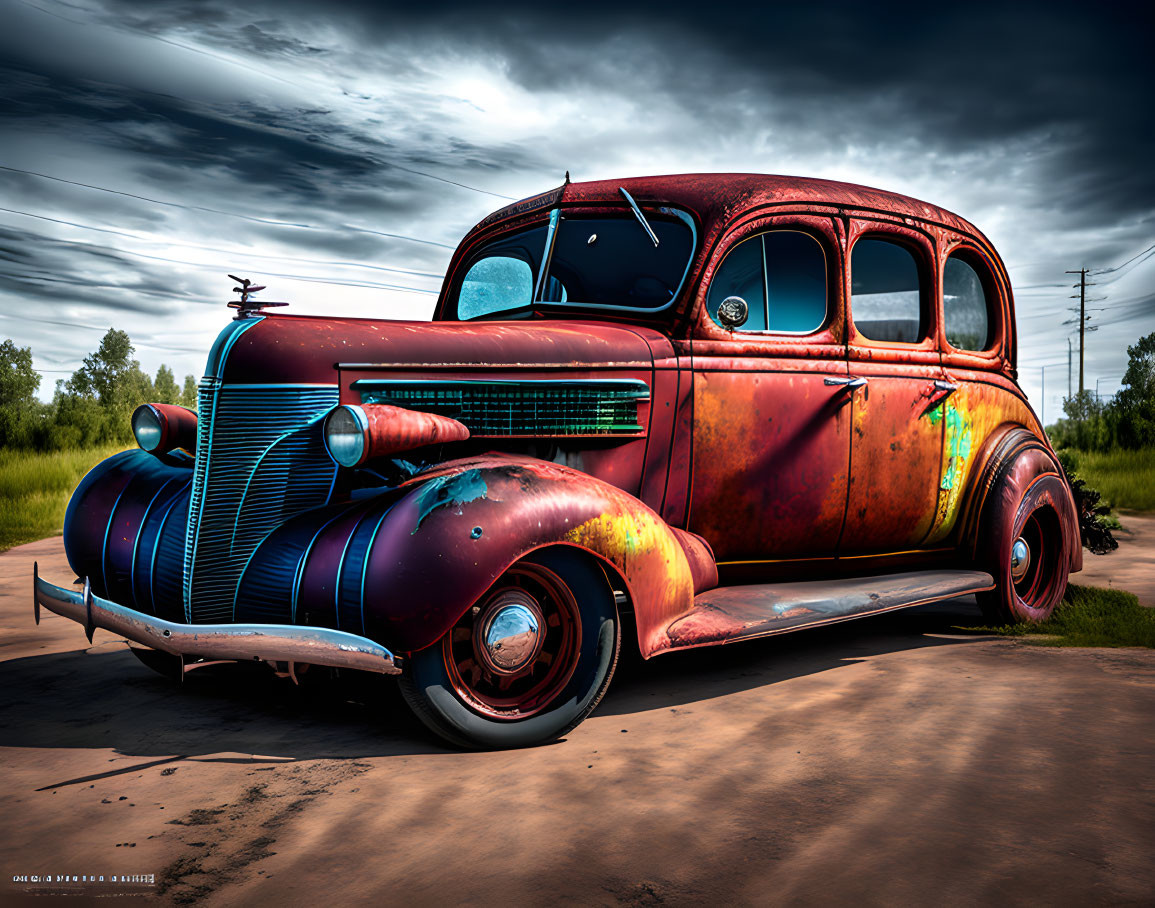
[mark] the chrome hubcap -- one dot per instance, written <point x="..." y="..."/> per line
<point x="511" y="633"/>
<point x="1020" y="559"/>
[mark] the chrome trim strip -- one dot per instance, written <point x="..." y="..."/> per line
<point x="490" y="367"/>
<point x="156" y="547"/>
<point x="239" y="642"/>
<point x="136" y="541"/>
<point x="365" y="564"/>
<point x="640" y="389"/>
<point x="299" y="574"/>
<point x="341" y="567"/>
<point x="108" y="531"/>
<point x="219" y="352"/>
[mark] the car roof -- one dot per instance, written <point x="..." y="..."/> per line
<point x="713" y="197"/>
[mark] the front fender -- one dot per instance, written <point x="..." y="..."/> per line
<point x="404" y="566"/>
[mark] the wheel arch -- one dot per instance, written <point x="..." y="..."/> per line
<point x="1013" y="458"/>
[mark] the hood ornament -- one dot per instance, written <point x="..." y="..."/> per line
<point x="246" y="305"/>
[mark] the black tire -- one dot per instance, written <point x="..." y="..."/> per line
<point x="441" y="698"/>
<point x="164" y="664"/>
<point x="1036" y="518"/>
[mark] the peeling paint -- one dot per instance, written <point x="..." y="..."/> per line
<point x="455" y="490"/>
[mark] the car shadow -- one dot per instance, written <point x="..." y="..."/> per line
<point x="103" y="697"/>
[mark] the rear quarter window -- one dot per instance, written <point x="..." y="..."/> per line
<point x="965" y="305"/>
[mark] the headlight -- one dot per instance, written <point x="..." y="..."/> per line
<point x="148" y="427"/>
<point x="345" y="431"/>
<point x="161" y="428"/>
<point x="355" y="434"/>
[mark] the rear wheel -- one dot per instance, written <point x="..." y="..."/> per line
<point x="527" y="663"/>
<point x="1027" y="554"/>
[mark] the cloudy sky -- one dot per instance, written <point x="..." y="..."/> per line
<point x="337" y="151"/>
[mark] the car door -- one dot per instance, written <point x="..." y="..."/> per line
<point x="771" y="426"/>
<point x="896" y="412"/>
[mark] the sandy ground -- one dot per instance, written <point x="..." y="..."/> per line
<point x="1132" y="565"/>
<point x="894" y="760"/>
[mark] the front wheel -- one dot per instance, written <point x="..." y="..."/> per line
<point x="527" y="663"/>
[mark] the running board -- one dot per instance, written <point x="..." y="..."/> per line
<point x="758" y="610"/>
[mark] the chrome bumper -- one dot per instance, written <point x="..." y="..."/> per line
<point x="237" y="642"/>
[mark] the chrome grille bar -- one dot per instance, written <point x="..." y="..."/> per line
<point x="260" y="459"/>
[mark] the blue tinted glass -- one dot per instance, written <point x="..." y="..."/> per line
<point x="596" y="261"/>
<point x="741" y="275"/>
<point x="796" y="278"/>
<point x="885" y="300"/>
<point x="494" y="284"/>
<point x="964" y="306"/>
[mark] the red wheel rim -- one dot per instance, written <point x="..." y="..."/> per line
<point x="520" y="693"/>
<point x="1036" y="588"/>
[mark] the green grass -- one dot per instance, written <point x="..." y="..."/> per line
<point x="1125" y="479"/>
<point x="1089" y="616"/>
<point x="35" y="488"/>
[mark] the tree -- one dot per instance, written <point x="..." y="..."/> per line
<point x="188" y="397"/>
<point x="103" y="370"/>
<point x="166" y="390"/>
<point x="1134" y="406"/>
<point x="19" y="382"/>
<point x="19" y="408"/>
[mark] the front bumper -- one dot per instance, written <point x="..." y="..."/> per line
<point x="237" y="642"/>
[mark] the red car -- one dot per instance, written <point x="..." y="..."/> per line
<point x="708" y="407"/>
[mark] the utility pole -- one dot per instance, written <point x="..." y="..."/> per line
<point x="1068" y="368"/>
<point x="1082" y="272"/>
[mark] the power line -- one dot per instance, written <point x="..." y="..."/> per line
<point x="229" y="214"/>
<point x="401" y="288"/>
<point x="1150" y="248"/>
<point x="276" y="258"/>
<point x="260" y="72"/>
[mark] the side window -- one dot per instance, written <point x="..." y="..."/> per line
<point x="741" y="275"/>
<point x="782" y="277"/>
<point x="885" y="295"/>
<point x="965" y="307"/>
<point x="493" y="284"/>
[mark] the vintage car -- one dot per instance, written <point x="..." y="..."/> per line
<point x="701" y="408"/>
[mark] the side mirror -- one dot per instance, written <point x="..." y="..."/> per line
<point x="733" y="312"/>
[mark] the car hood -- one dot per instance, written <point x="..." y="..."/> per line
<point x="305" y="349"/>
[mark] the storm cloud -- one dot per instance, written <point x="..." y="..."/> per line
<point x="338" y="150"/>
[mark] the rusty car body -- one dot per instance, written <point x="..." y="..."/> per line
<point x="711" y="407"/>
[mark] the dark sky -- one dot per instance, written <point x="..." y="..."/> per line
<point x="337" y="151"/>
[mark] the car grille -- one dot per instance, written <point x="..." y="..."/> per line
<point x="260" y="459"/>
<point x="512" y="408"/>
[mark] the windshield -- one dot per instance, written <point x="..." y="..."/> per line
<point x="603" y="262"/>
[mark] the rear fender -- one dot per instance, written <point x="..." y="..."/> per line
<point x="1013" y="458"/>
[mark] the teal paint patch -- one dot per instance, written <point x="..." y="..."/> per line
<point x="958" y="436"/>
<point x="456" y="490"/>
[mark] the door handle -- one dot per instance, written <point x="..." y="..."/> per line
<point x="846" y="382"/>
<point x="946" y="387"/>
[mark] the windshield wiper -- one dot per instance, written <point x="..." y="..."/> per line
<point x="547" y="254"/>
<point x="638" y="214"/>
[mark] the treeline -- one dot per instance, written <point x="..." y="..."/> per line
<point x="93" y="407"/>
<point x="1127" y="420"/>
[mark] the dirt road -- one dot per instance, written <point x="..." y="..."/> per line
<point x="889" y="761"/>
